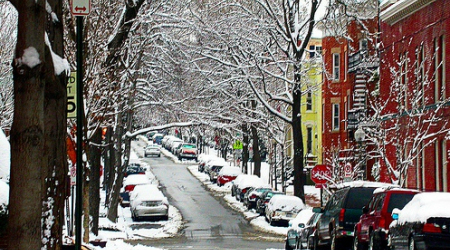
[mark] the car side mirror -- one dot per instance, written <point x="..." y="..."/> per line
<point x="365" y="210"/>
<point x="395" y="213"/>
<point x="301" y="225"/>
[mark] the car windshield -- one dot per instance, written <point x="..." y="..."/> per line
<point x="399" y="201"/>
<point x="359" y="197"/>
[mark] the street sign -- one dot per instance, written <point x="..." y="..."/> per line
<point x="320" y="174"/>
<point x="237" y="145"/>
<point x="72" y="95"/>
<point x="80" y="7"/>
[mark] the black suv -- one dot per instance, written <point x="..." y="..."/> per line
<point x="341" y="213"/>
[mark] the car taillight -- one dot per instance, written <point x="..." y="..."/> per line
<point x="129" y="188"/>
<point x="253" y="196"/>
<point x="382" y="223"/>
<point x="244" y="191"/>
<point x="265" y="202"/>
<point x="341" y="215"/>
<point x="431" y="228"/>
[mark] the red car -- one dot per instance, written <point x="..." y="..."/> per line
<point x="227" y="174"/>
<point x="371" y="230"/>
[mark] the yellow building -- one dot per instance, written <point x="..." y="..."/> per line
<point x="311" y="110"/>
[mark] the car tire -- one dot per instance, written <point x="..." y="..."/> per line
<point x="356" y="244"/>
<point x="159" y="155"/>
<point x="412" y="243"/>
<point x="334" y="241"/>
<point x="287" y="247"/>
<point x="374" y="242"/>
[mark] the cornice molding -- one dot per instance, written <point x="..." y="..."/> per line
<point x="403" y="9"/>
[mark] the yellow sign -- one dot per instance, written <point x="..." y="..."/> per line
<point x="237" y="145"/>
<point x="72" y="95"/>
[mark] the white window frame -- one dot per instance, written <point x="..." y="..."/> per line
<point x="336" y="66"/>
<point x="335" y="117"/>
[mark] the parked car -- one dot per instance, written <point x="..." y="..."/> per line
<point x="129" y="184"/>
<point x="424" y="223"/>
<point x="295" y="227"/>
<point x="305" y="240"/>
<point x="214" y="162"/>
<point x="246" y="183"/>
<point x="149" y="203"/>
<point x="152" y="149"/>
<point x="283" y="208"/>
<point x="134" y="168"/>
<point x="373" y="226"/>
<point x="252" y="196"/>
<point x="213" y="172"/>
<point x="203" y="159"/>
<point x="235" y="182"/>
<point x="175" y="147"/>
<point x="227" y="174"/>
<point x="157" y="138"/>
<point x="187" y="151"/>
<point x="264" y="199"/>
<point x="341" y="213"/>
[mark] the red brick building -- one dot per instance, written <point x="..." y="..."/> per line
<point x="349" y="66"/>
<point x="415" y="90"/>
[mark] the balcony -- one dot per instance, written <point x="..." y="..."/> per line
<point x="354" y="118"/>
<point x="362" y="60"/>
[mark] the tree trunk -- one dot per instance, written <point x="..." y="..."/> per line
<point x="118" y="178"/>
<point x="55" y="179"/>
<point x="245" y="143"/>
<point x="94" y="179"/>
<point x="256" y="153"/>
<point x="28" y="130"/>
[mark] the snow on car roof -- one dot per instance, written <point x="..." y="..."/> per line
<point x="149" y="195"/>
<point x="250" y="181"/>
<point x="302" y="217"/>
<point x="286" y="203"/>
<point x="230" y="171"/>
<point x="424" y="206"/>
<point x="362" y="184"/>
<point x="137" y="179"/>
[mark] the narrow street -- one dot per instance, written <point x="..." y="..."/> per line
<point x="209" y="222"/>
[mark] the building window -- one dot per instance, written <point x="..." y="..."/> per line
<point x="403" y="80"/>
<point x="335" y="121"/>
<point x="309" y="140"/>
<point x="444" y="165"/>
<point x="438" y="165"/>
<point x="439" y="68"/>
<point x="315" y="51"/>
<point x="420" y="73"/>
<point x="309" y="101"/>
<point x="336" y="66"/>
<point x="363" y="45"/>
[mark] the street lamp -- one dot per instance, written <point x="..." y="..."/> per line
<point x="360" y="135"/>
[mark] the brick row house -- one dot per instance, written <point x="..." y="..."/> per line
<point x="393" y="89"/>
<point x="415" y="85"/>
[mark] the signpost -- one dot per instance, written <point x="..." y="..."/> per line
<point x="320" y="174"/>
<point x="80" y="7"/>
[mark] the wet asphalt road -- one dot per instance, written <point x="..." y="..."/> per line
<point x="209" y="222"/>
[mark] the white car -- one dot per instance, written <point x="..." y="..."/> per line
<point x="149" y="202"/>
<point x="283" y="208"/>
<point x="129" y="184"/>
<point x="153" y="149"/>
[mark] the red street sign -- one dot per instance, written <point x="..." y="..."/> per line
<point x="80" y="7"/>
<point x="320" y="174"/>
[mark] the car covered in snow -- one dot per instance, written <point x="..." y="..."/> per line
<point x="295" y="227"/>
<point x="187" y="151"/>
<point x="149" y="203"/>
<point x="247" y="182"/>
<point x="129" y="184"/>
<point x="227" y="174"/>
<point x="283" y="208"/>
<point x="252" y="196"/>
<point x="424" y="223"/>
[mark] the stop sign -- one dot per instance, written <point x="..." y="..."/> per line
<point x="320" y="174"/>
